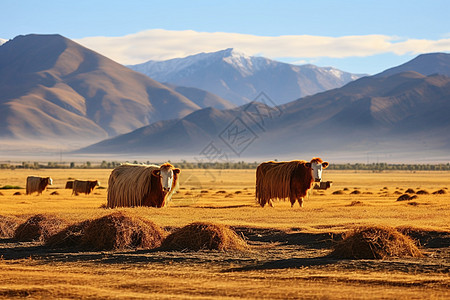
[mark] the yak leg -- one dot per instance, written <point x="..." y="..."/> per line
<point x="292" y="200"/>
<point x="300" y="201"/>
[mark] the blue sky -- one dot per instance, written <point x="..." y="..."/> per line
<point x="355" y="36"/>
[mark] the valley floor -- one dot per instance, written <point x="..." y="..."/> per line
<point x="289" y="246"/>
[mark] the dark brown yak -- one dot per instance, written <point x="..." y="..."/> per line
<point x="37" y="184"/>
<point x="82" y="186"/>
<point x="288" y="179"/>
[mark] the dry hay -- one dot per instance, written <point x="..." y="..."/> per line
<point x="7" y="226"/>
<point x="69" y="237"/>
<point x="204" y="236"/>
<point x="404" y="197"/>
<point x="422" y="192"/>
<point x="39" y="228"/>
<point x="410" y="191"/>
<point x="1" y="194"/>
<point x="440" y="192"/>
<point x="356" y="203"/>
<point x="119" y="231"/>
<point x="338" y="192"/>
<point x="376" y="242"/>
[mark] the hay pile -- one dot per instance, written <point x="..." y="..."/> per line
<point x="117" y="231"/>
<point x="204" y="236"/>
<point x="70" y="237"/>
<point x="440" y="192"/>
<point x="7" y="226"/>
<point x="38" y="228"/>
<point x="375" y="242"/>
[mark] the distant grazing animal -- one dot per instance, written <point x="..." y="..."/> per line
<point x="290" y="179"/>
<point x="37" y="184"/>
<point x="142" y="185"/>
<point x="82" y="186"/>
<point x="69" y="185"/>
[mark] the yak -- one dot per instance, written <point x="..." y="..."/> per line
<point x="288" y="179"/>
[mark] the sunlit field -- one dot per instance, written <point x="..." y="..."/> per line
<point x="289" y="245"/>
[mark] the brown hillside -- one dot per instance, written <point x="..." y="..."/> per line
<point x="52" y="87"/>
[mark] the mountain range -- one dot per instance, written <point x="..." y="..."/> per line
<point x="57" y="90"/>
<point x="53" y="90"/>
<point x="240" y="78"/>
<point x="403" y="114"/>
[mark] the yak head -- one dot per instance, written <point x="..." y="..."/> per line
<point x="166" y="174"/>
<point x="317" y="165"/>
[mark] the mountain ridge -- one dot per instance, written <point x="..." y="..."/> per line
<point x="240" y="78"/>
<point x="425" y="64"/>
<point x="363" y="116"/>
<point x="53" y="88"/>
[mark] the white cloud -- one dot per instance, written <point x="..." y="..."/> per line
<point x="160" y="44"/>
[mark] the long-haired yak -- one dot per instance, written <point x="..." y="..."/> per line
<point x="142" y="185"/>
<point x="37" y="184"/>
<point x="287" y="179"/>
<point x="84" y="186"/>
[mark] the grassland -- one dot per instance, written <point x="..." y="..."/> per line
<point x="290" y="244"/>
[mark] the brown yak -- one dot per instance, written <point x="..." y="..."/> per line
<point x="291" y="179"/>
<point x="132" y="185"/>
<point x="86" y="187"/>
<point x="37" y="184"/>
<point x="69" y="185"/>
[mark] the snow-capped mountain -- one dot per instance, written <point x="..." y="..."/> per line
<point x="240" y="78"/>
<point x="2" y="41"/>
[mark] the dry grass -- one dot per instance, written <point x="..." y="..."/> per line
<point x="204" y="236"/>
<point x="38" y="228"/>
<point x="8" y="226"/>
<point x="119" y="231"/>
<point x="69" y="237"/>
<point x="440" y="192"/>
<point x="375" y="242"/>
<point x="116" y="231"/>
<point x="141" y="274"/>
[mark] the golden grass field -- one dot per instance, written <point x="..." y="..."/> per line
<point x="288" y="258"/>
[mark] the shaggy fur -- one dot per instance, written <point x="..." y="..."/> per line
<point x="81" y="186"/>
<point x="69" y="185"/>
<point x="281" y="180"/>
<point x="37" y="184"/>
<point x="135" y="185"/>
